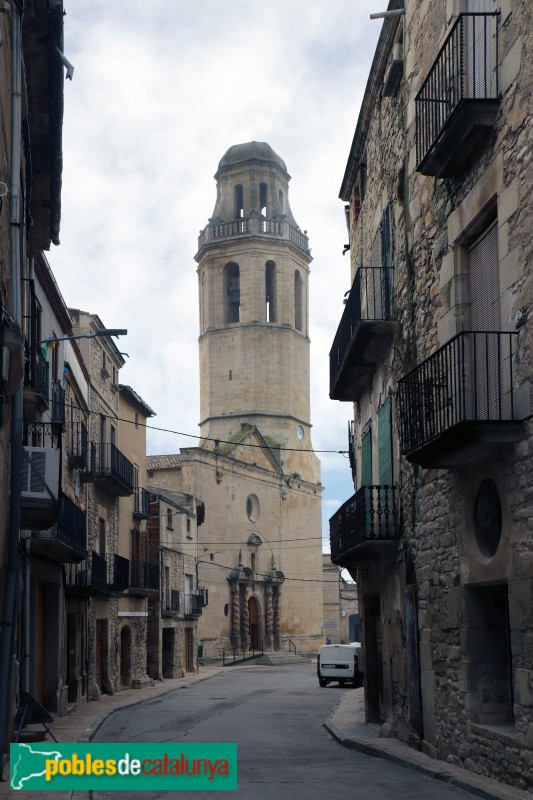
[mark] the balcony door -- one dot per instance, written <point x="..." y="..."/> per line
<point x="479" y="61"/>
<point x="485" y="315"/>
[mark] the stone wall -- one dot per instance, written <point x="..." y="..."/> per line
<point x="473" y="713"/>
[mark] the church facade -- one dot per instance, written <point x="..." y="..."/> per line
<point x="258" y="552"/>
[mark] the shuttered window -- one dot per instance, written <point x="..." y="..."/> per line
<point x="484" y="282"/>
<point x="366" y="457"/>
<point x="485" y="315"/>
<point x="385" y="444"/>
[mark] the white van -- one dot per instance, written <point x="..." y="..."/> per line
<point x="339" y="662"/>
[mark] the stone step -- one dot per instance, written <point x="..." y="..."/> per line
<point x="281" y="657"/>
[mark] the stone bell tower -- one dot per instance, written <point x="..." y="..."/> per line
<point x="255" y="471"/>
<point x="253" y="271"/>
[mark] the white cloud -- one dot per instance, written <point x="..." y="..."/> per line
<point x="161" y="90"/>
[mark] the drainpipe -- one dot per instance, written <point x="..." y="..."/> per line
<point x="11" y="594"/>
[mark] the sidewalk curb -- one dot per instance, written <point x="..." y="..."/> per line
<point x="470" y="782"/>
<point x="90" y="732"/>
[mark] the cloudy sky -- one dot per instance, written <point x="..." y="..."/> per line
<point x="161" y="90"/>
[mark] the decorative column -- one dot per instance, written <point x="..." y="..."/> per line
<point x="245" y="631"/>
<point x="269" y="616"/>
<point x="277" y="618"/>
<point x="235" y="615"/>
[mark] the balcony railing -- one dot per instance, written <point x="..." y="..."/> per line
<point x="461" y="396"/>
<point x="66" y="541"/>
<point x="88" y="577"/>
<point x="121" y="573"/>
<point x="366" y="522"/>
<point x="364" y="330"/>
<point x="78" y="445"/>
<point x="459" y="97"/>
<point x="254" y="225"/>
<point x="58" y="404"/>
<point x="112" y="470"/>
<point x="193" y="604"/>
<point x="172" y="606"/>
<point x="144" y="576"/>
<point x="37" y="375"/>
<point x="141" y="503"/>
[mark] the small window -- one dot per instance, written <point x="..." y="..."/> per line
<point x="280" y="198"/>
<point x="253" y="509"/>
<point x="232" y="292"/>
<point x="137" y="419"/>
<point x="170" y="526"/>
<point x="239" y="202"/>
<point x="101" y="537"/>
<point x="270" y="291"/>
<point x="263" y="199"/>
<point x="488" y="518"/>
<point x="188" y="525"/>
<point x="298" y="298"/>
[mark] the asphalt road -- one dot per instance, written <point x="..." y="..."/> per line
<point x="275" y="715"/>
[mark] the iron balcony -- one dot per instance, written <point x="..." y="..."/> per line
<point x="365" y="527"/>
<point x="78" y="445"/>
<point x="460" y="403"/>
<point x="459" y="99"/>
<point x="66" y="541"/>
<point x="88" y="578"/>
<point x="141" y="503"/>
<point x="144" y="578"/>
<point x="364" y="333"/>
<point x="112" y="471"/>
<point x="58" y="404"/>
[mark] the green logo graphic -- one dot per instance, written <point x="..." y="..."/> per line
<point x="61" y="767"/>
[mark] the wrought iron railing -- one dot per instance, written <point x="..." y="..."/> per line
<point x="193" y="604"/>
<point x="145" y="575"/>
<point x="39" y="377"/>
<point x="370" y="515"/>
<point x="70" y="528"/>
<point x="236" y="655"/>
<point x="246" y="226"/>
<point x="58" y="404"/>
<point x="466" y="68"/>
<point x="141" y="502"/>
<point x="369" y="300"/>
<point x="78" y="445"/>
<point x="470" y="379"/>
<point x="110" y="462"/>
<point x="121" y="572"/>
<point x="72" y="525"/>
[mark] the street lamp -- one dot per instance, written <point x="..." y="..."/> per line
<point x="101" y="332"/>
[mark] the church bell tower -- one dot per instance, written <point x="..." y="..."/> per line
<point x="253" y="273"/>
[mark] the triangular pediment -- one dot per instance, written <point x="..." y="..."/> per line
<point x="250" y="446"/>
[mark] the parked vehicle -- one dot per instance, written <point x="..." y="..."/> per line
<point x="339" y="662"/>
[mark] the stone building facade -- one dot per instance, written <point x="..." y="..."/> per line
<point x="341" y="605"/>
<point x="173" y="613"/>
<point x="31" y="73"/>
<point x="255" y="469"/>
<point x="434" y="350"/>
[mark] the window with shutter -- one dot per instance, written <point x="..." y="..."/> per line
<point x="366" y="457"/>
<point x="385" y="444"/>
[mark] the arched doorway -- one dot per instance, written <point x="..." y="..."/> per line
<point x="125" y="656"/>
<point x="253" y="623"/>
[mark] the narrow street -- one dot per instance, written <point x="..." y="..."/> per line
<point x="275" y="715"/>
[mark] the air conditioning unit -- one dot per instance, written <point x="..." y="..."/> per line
<point x="39" y="507"/>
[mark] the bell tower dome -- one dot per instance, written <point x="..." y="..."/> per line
<point x="253" y="274"/>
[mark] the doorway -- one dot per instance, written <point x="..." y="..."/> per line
<point x="125" y="656"/>
<point x="374" y="659"/>
<point x="189" y="650"/>
<point x="169" y="648"/>
<point x="100" y="672"/>
<point x="253" y="622"/>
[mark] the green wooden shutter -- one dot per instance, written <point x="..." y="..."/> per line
<point x="385" y="444"/>
<point x="366" y="457"/>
